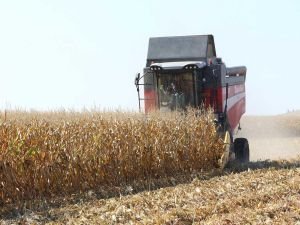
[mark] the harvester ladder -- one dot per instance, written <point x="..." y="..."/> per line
<point x="138" y="84"/>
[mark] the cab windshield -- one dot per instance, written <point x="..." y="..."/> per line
<point x="176" y="91"/>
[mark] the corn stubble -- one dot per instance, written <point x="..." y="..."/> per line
<point x="59" y="153"/>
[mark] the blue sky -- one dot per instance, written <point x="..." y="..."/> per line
<point x="73" y="54"/>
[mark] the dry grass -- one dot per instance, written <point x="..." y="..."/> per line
<point x="43" y="155"/>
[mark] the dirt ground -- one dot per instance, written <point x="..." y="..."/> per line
<point x="272" y="137"/>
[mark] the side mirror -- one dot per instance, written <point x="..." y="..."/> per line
<point x="137" y="79"/>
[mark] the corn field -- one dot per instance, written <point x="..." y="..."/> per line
<point x="45" y="154"/>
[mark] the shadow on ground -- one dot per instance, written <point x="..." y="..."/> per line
<point x="262" y="164"/>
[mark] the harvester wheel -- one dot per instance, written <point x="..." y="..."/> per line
<point x="241" y="150"/>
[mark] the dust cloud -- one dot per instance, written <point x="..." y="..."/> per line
<point x="272" y="137"/>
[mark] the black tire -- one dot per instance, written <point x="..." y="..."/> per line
<point x="241" y="150"/>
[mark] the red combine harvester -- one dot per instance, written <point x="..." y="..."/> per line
<point x="184" y="71"/>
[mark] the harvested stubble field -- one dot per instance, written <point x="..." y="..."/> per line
<point x="262" y="192"/>
<point x="257" y="193"/>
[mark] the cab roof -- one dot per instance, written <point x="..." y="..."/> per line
<point x="180" y="48"/>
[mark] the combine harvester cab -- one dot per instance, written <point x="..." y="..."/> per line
<point x="184" y="71"/>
